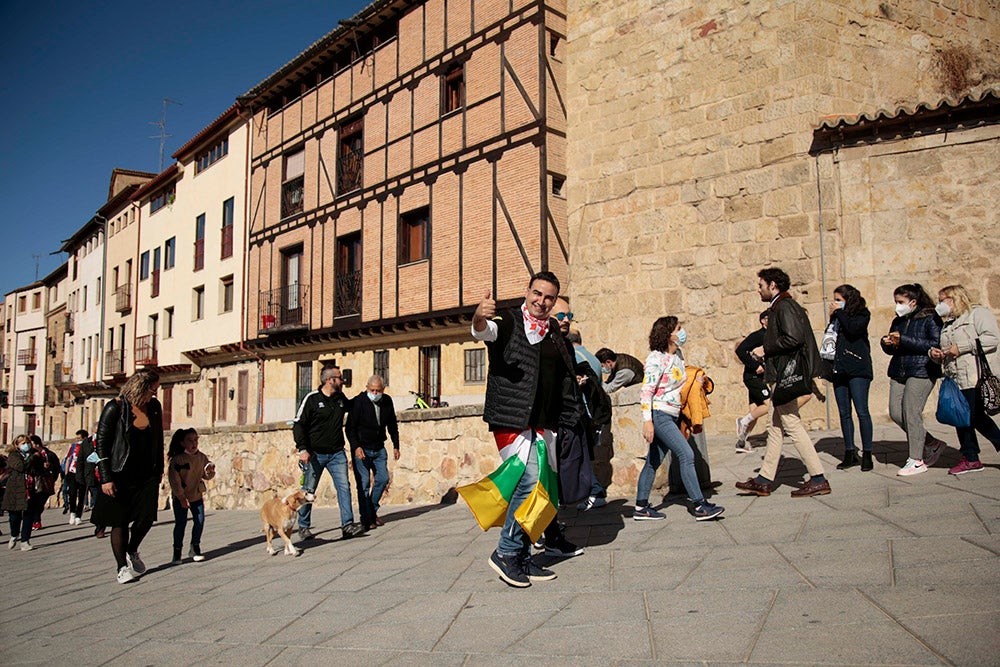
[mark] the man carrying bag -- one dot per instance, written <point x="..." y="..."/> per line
<point x="791" y="361"/>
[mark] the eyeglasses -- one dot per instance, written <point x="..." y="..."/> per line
<point x="564" y="316"/>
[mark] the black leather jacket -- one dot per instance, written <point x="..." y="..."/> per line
<point x="112" y="436"/>
<point x="788" y="333"/>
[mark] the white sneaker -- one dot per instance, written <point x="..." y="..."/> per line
<point x="135" y="563"/>
<point x="12" y="543"/>
<point x="195" y="555"/>
<point x="125" y="575"/>
<point x="26" y="546"/>
<point x="741" y="429"/>
<point x="592" y="502"/>
<point x="744" y="447"/>
<point x="932" y="451"/>
<point x="912" y="467"/>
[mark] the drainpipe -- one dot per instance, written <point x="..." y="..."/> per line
<point x="245" y="265"/>
<point x="104" y="300"/>
<point x="822" y="271"/>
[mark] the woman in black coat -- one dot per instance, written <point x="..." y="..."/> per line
<point x="851" y="372"/>
<point x="15" y="497"/>
<point x="130" y="447"/>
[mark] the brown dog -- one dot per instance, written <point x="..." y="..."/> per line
<point x="278" y="516"/>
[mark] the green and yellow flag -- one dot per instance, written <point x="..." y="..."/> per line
<point x="490" y="497"/>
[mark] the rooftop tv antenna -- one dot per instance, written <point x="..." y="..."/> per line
<point x="37" y="258"/>
<point x="162" y="124"/>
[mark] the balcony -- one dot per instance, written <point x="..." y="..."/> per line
<point x="114" y="362"/>
<point x="123" y="298"/>
<point x="292" y="196"/>
<point x="70" y="322"/>
<point x="349" y="172"/>
<point x="283" y="309"/>
<point x="145" y="350"/>
<point x="199" y="254"/>
<point x="154" y="284"/>
<point x="24" y="397"/>
<point x="27" y="357"/>
<point x="227" y="241"/>
<point x="347" y="294"/>
<point x="62" y="374"/>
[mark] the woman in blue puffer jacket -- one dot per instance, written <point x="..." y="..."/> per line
<point x="912" y="374"/>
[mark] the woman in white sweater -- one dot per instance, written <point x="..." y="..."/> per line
<point x="965" y="324"/>
<point x="661" y="409"/>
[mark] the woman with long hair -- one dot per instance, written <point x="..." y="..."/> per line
<point x="851" y="372"/>
<point x="914" y="331"/>
<point x="665" y="376"/>
<point x="965" y="325"/>
<point x="130" y="447"/>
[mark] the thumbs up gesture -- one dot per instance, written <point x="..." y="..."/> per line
<point x="486" y="310"/>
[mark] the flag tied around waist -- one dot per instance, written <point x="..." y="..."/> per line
<point x="490" y="497"/>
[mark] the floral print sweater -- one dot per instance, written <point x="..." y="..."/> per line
<point x="662" y="384"/>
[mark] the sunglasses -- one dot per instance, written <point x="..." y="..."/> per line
<point x="564" y="316"/>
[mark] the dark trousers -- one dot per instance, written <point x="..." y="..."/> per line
<point x="982" y="422"/>
<point x="76" y="494"/>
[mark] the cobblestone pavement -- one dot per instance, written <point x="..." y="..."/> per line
<point x="885" y="570"/>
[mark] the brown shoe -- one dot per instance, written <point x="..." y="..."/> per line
<point x="379" y="521"/>
<point x="755" y="487"/>
<point x="810" y="489"/>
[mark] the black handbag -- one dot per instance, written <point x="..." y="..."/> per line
<point x="793" y="380"/>
<point x="988" y="386"/>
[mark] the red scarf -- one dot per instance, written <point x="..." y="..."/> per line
<point x="538" y="325"/>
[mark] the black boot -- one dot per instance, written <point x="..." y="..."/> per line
<point x="866" y="461"/>
<point x="850" y="460"/>
<point x="177" y="555"/>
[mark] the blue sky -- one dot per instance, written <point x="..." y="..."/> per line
<point x="84" y="80"/>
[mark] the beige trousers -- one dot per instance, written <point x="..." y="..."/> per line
<point x="785" y="418"/>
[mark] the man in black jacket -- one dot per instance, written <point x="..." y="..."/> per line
<point x="371" y="420"/>
<point x="789" y="351"/>
<point x="528" y="396"/>
<point x="319" y="437"/>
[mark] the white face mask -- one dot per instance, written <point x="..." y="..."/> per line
<point x="942" y="309"/>
<point x="903" y="309"/>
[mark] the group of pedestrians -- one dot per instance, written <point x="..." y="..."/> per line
<point x="926" y="339"/>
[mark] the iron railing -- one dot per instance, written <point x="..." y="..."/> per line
<point x="27" y="357"/>
<point x="114" y="362"/>
<point x="347" y="294"/>
<point x="283" y="308"/>
<point x="292" y="196"/>
<point x="123" y="298"/>
<point x="24" y="397"/>
<point x="349" y="170"/>
<point x="145" y="350"/>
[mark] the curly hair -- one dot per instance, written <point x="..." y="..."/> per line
<point x="137" y="385"/>
<point x="659" y="335"/>
<point x="854" y="303"/>
<point x="777" y="276"/>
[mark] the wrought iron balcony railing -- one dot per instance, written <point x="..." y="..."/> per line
<point x="283" y="309"/>
<point x="24" y="397"/>
<point x="123" y="298"/>
<point x="27" y="357"/>
<point x="114" y="362"/>
<point x="347" y="294"/>
<point x="145" y="350"/>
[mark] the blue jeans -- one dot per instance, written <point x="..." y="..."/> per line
<point x="513" y="540"/>
<point x="20" y="524"/>
<point x="369" y="492"/>
<point x="336" y="465"/>
<point x="667" y="436"/>
<point x="968" y="443"/>
<point x="180" y="521"/>
<point x="846" y="391"/>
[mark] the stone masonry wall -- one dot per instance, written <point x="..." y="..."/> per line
<point x="440" y="449"/>
<point x="689" y="131"/>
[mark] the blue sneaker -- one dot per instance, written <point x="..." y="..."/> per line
<point x="647" y="513"/>
<point x="705" y="510"/>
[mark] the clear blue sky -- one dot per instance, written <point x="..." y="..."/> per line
<point x="84" y="80"/>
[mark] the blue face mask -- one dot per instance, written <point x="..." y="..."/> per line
<point x="682" y="337"/>
<point x="840" y="304"/>
<point x="25" y="448"/>
<point x="375" y="398"/>
<point x="93" y="458"/>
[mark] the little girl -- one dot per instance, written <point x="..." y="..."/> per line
<point x="188" y="470"/>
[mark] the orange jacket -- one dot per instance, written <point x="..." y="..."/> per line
<point x="694" y="398"/>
